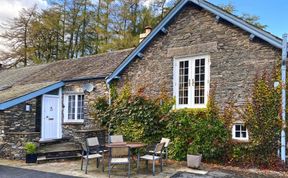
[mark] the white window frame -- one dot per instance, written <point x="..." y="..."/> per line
<point x="66" y="99"/>
<point x="234" y="132"/>
<point x="191" y="87"/>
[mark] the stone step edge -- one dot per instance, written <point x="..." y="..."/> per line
<point x="59" y="151"/>
<point x="44" y="158"/>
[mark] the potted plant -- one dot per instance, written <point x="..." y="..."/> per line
<point x="31" y="156"/>
<point x="193" y="157"/>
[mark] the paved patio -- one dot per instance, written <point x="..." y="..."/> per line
<point x="66" y="169"/>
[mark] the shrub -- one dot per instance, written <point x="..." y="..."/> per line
<point x="136" y="117"/>
<point x="180" y="130"/>
<point x="199" y="130"/>
<point x="262" y="119"/>
<point x="30" y="148"/>
<point x="196" y="131"/>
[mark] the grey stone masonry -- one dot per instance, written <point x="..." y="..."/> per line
<point x="73" y="130"/>
<point x="235" y="59"/>
<point x="17" y="128"/>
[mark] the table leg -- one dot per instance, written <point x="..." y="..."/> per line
<point x="138" y="160"/>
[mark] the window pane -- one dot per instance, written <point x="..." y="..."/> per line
<point x="80" y="109"/>
<point x="237" y="127"/>
<point x="71" y="107"/>
<point x="183" y="82"/>
<point x="199" y="81"/>
<point x="237" y="134"/>
<point x="243" y="134"/>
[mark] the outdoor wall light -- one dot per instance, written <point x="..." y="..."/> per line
<point x="28" y="107"/>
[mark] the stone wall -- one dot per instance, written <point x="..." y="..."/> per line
<point x="72" y="130"/>
<point x="17" y="128"/>
<point x="235" y="59"/>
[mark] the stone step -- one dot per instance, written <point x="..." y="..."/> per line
<point x="66" y="150"/>
<point x="54" y="141"/>
<point x="59" y="147"/>
<point x="45" y="158"/>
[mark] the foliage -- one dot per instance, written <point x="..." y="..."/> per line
<point x="30" y="148"/>
<point x="136" y="117"/>
<point x="261" y="116"/>
<point x="76" y="28"/>
<point x="198" y="131"/>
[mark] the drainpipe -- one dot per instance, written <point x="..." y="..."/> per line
<point x="110" y="102"/>
<point x="283" y="68"/>
<point x="109" y="93"/>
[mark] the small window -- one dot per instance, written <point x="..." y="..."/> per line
<point x="240" y="132"/>
<point x="74" y="108"/>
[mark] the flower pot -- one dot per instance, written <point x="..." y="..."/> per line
<point x="31" y="158"/>
<point x="194" y="161"/>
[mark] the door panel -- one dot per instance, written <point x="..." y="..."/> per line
<point x="50" y="117"/>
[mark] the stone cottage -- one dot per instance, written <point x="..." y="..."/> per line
<point x="49" y="102"/>
<point x="194" y="48"/>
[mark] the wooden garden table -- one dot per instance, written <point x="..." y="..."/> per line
<point x="131" y="145"/>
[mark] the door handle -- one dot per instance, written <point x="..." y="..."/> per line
<point x="193" y="82"/>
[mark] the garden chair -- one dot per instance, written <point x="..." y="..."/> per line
<point x="165" y="150"/>
<point x="154" y="157"/>
<point x="92" y="150"/>
<point x="116" y="139"/>
<point x="119" y="155"/>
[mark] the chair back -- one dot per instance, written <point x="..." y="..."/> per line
<point x="116" y="138"/>
<point x="93" y="141"/>
<point x="118" y="152"/>
<point x="84" y="147"/>
<point x="159" y="147"/>
<point x="166" y="141"/>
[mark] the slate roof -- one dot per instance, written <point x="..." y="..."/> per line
<point x="18" y="82"/>
<point x="20" y="90"/>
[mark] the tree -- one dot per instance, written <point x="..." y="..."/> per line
<point x="252" y="19"/>
<point x="17" y="37"/>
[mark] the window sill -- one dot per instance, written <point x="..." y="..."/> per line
<point x="240" y="140"/>
<point x="74" y="123"/>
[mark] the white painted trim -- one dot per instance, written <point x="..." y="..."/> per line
<point x="76" y="108"/>
<point x="234" y="134"/>
<point x="191" y="74"/>
<point x="60" y="113"/>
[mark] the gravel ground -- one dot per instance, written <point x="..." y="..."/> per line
<point x="66" y="169"/>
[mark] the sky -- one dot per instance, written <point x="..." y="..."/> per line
<point x="271" y="13"/>
<point x="10" y="9"/>
<point x="274" y="13"/>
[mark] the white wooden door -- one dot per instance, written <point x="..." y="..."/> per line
<point x="50" y="117"/>
<point x="191" y="81"/>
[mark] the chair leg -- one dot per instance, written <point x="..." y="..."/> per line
<point x="87" y="162"/>
<point x="166" y="156"/>
<point x="153" y="169"/>
<point x="146" y="166"/>
<point x="81" y="163"/>
<point x="97" y="162"/>
<point x="102" y="164"/>
<point x="129" y="170"/>
<point x="161" y="164"/>
<point x="109" y="169"/>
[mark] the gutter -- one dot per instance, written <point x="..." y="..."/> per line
<point x="85" y="78"/>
